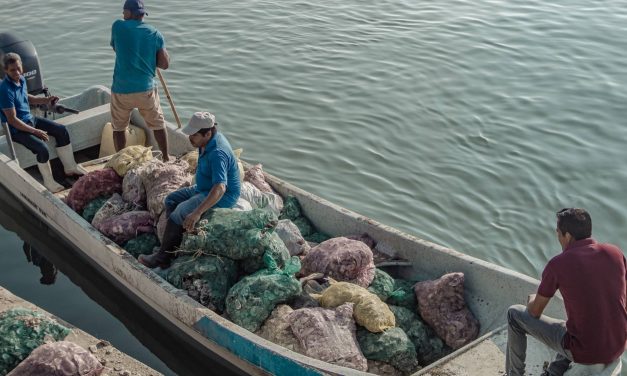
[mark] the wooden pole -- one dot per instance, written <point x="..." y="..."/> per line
<point x="167" y="94"/>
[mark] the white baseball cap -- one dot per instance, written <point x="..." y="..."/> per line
<point x="199" y="120"/>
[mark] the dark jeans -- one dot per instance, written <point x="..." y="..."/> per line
<point x="37" y="145"/>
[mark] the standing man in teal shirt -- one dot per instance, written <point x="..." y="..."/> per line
<point x="139" y="51"/>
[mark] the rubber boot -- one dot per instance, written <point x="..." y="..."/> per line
<point x="171" y="238"/>
<point x="66" y="155"/>
<point x="49" y="182"/>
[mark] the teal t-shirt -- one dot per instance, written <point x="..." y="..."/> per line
<point x="136" y="45"/>
<point x="218" y="164"/>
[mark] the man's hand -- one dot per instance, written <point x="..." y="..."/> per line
<point x="52" y="100"/>
<point x="190" y="221"/>
<point x="40" y="134"/>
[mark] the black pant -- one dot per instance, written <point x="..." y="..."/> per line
<point x="37" y="145"/>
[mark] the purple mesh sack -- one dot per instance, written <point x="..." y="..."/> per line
<point x="441" y="304"/>
<point x="127" y="226"/>
<point x="329" y="335"/>
<point x="103" y="182"/>
<point x="59" y="359"/>
<point x="342" y="259"/>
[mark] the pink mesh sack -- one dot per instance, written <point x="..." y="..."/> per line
<point x="342" y="259"/>
<point x="59" y="359"/>
<point x="329" y="335"/>
<point x="441" y="304"/>
<point x="94" y="184"/>
<point x="256" y="177"/>
<point x="127" y="226"/>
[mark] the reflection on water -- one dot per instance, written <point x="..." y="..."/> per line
<point x="48" y="270"/>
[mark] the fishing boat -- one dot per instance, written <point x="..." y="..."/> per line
<point x="489" y="289"/>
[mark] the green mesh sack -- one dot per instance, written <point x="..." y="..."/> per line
<point x="429" y="347"/>
<point x="93" y="206"/>
<point x="143" y="244"/>
<point x="22" y="331"/>
<point x="206" y="278"/>
<point x="317" y="237"/>
<point x="234" y="234"/>
<point x="274" y="247"/>
<point x="251" y="300"/>
<point x="291" y="209"/>
<point x="403" y="295"/>
<point x="391" y="346"/>
<point x="382" y="285"/>
<point x="304" y="226"/>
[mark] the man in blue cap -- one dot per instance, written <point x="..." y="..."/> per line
<point x="139" y="51"/>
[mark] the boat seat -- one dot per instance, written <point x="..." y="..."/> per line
<point x="85" y="129"/>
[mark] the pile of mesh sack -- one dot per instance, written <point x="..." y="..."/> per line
<point x="22" y="331"/>
<point x="243" y="263"/>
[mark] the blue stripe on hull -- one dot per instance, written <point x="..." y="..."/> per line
<point x="262" y="357"/>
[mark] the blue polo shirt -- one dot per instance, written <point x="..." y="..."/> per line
<point x="136" y="45"/>
<point x="15" y="96"/>
<point x="217" y="164"/>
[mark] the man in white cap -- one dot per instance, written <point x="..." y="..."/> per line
<point x="217" y="186"/>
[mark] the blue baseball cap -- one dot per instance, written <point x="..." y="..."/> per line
<point x="136" y="7"/>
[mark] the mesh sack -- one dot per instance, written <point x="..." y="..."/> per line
<point x="261" y="200"/>
<point x="129" y="157"/>
<point x="160" y="179"/>
<point x="290" y="235"/>
<point x="127" y="226"/>
<point x="115" y="205"/>
<point x="277" y="329"/>
<point x="61" y="358"/>
<point x="92" y="208"/>
<point x="206" y="278"/>
<point x="143" y="244"/>
<point x="382" y="285"/>
<point x="429" y="347"/>
<point x="255" y="176"/>
<point x="234" y="234"/>
<point x="253" y="298"/>
<point x="370" y="312"/>
<point x="341" y="259"/>
<point x="23" y="330"/>
<point x="442" y="305"/>
<point x="391" y="346"/>
<point x="404" y="295"/>
<point x="329" y="335"/>
<point x="97" y="183"/>
<point x="133" y="190"/>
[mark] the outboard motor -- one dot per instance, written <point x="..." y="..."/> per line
<point x="30" y="61"/>
<point x="31" y="71"/>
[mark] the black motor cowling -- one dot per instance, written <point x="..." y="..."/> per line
<point x="30" y="61"/>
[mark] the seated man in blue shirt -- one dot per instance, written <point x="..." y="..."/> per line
<point x="30" y="131"/>
<point x="217" y="186"/>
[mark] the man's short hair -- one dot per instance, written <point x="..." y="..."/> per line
<point x="575" y="221"/>
<point x="10" y="58"/>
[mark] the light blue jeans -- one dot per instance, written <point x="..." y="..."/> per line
<point x="179" y="204"/>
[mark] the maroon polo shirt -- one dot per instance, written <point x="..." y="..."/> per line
<point x="592" y="278"/>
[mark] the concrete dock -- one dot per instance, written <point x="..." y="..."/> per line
<point x="116" y="363"/>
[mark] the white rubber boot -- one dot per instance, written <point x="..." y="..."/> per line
<point x="49" y="182"/>
<point x="66" y="155"/>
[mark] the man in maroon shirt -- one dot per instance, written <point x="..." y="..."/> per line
<point x="592" y="278"/>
